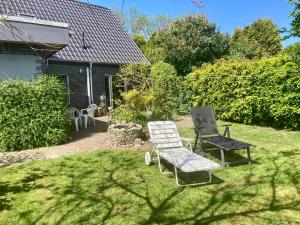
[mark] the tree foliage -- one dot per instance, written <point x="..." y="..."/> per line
<point x="295" y="24"/>
<point x="136" y="23"/>
<point x="189" y="42"/>
<point x="257" y="40"/>
<point x="293" y="51"/>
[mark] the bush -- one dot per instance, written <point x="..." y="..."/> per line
<point x="156" y="94"/>
<point x="253" y="92"/>
<point x="33" y="114"/>
<point x="169" y="90"/>
<point x="135" y="108"/>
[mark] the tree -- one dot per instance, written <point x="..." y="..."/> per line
<point x="136" y="23"/>
<point x="157" y="23"/>
<point x="189" y="42"/>
<point x="293" y="51"/>
<point x="295" y="25"/>
<point x="257" y="40"/>
<point x="139" y="40"/>
<point x="243" y="47"/>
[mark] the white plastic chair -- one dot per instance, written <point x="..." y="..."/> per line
<point x="89" y="113"/>
<point x="75" y="115"/>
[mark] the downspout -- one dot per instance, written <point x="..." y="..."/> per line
<point x="111" y="91"/>
<point x="91" y="83"/>
<point x="88" y="86"/>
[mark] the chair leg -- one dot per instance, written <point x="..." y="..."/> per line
<point x="85" y="121"/>
<point x="80" y="121"/>
<point x="223" y="157"/>
<point x="76" y="123"/>
<point x="202" y="146"/>
<point x="196" y="141"/>
<point x="160" y="167"/>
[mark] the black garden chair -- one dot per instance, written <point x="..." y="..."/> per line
<point x="207" y="131"/>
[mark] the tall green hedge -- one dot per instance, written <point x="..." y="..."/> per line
<point x="265" y="92"/>
<point x="33" y="114"/>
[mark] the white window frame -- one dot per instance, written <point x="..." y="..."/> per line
<point x="67" y="86"/>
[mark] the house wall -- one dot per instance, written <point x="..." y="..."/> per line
<point x="77" y="74"/>
<point x="99" y="84"/>
<point x="19" y="66"/>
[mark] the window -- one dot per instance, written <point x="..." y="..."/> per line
<point x="65" y="79"/>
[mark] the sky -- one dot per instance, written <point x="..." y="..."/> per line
<point x="227" y="14"/>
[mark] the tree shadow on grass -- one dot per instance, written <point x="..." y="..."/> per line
<point x="109" y="186"/>
<point x="26" y="184"/>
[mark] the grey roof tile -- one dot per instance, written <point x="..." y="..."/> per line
<point x="108" y="40"/>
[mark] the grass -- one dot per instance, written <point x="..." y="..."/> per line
<point x="115" y="187"/>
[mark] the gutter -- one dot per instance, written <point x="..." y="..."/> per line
<point x="34" y="20"/>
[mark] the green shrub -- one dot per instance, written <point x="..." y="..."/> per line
<point x="261" y="92"/>
<point x="170" y="90"/>
<point x="33" y="114"/>
<point x="158" y="93"/>
<point x="163" y="90"/>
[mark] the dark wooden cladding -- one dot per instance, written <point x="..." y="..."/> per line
<point x="99" y="72"/>
<point x="78" y="80"/>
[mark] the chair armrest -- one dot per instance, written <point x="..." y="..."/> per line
<point x="227" y="125"/>
<point x="186" y="139"/>
<point x="198" y="129"/>
<point x="226" y="130"/>
<point x="83" y="110"/>
<point x="188" y="142"/>
<point x="153" y="145"/>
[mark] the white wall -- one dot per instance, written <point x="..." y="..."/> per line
<point x="18" y="66"/>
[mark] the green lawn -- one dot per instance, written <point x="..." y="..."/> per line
<point x="115" y="187"/>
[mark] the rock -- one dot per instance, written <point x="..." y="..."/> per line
<point x="138" y="142"/>
<point x="131" y="125"/>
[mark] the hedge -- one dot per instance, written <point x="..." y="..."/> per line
<point x="33" y="114"/>
<point x="265" y="92"/>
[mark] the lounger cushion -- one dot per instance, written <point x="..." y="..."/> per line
<point x="187" y="161"/>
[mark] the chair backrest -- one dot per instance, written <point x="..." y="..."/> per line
<point x="92" y="106"/>
<point x="164" y="135"/>
<point x="204" y="120"/>
<point x="91" y="109"/>
<point x="73" y="113"/>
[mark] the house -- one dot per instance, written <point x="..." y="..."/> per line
<point x="83" y="43"/>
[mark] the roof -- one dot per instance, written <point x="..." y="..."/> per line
<point x="102" y="31"/>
